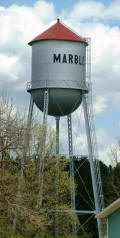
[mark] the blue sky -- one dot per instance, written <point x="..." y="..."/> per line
<point x="22" y="20"/>
<point x="59" y="5"/>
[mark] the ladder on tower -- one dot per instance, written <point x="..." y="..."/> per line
<point x="92" y="127"/>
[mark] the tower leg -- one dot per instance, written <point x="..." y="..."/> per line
<point x="92" y="167"/>
<point x="22" y="160"/>
<point x="57" y="177"/>
<point x="57" y="134"/>
<point x="29" y="120"/>
<point x="74" y="231"/>
<point x="30" y="112"/>
<point x="42" y="150"/>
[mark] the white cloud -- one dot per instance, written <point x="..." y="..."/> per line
<point x="84" y="10"/>
<point x="105" y="141"/>
<point x="10" y="68"/>
<point x="104" y="138"/>
<point x="113" y="10"/>
<point x="104" y="156"/>
<point x="100" y="105"/>
<point x="80" y="144"/>
<point x="20" y="24"/>
<point x="46" y="10"/>
<point x="7" y="63"/>
<point x="105" y="48"/>
<point x="93" y="10"/>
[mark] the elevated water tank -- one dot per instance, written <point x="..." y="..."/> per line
<point x="58" y="64"/>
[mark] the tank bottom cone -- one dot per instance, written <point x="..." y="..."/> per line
<point x="61" y="101"/>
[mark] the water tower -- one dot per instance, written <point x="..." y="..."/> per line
<point x="60" y="82"/>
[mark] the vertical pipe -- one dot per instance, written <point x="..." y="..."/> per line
<point x="29" y="120"/>
<point x="57" y="178"/>
<point x="74" y="231"/>
<point x="57" y="134"/>
<point x="30" y="112"/>
<point x="90" y="151"/>
<point x="42" y="150"/>
<point x="22" y="160"/>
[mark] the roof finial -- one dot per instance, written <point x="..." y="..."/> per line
<point x="58" y="20"/>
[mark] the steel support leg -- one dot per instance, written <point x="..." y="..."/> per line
<point x="72" y="175"/>
<point x="22" y="160"/>
<point x="18" y="195"/>
<point x="57" y="178"/>
<point x="90" y="151"/>
<point x="42" y="150"/>
<point x="57" y="134"/>
<point x="29" y="120"/>
<point x="30" y="112"/>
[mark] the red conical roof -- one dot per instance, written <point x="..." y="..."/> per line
<point x="58" y="32"/>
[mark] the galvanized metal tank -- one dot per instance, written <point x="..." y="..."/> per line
<point x="58" y="64"/>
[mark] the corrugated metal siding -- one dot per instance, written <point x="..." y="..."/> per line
<point x="114" y="225"/>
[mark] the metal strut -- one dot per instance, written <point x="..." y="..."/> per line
<point x="74" y="230"/>
<point x="30" y="112"/>
<point x="96" y="180"/>
<point x="94" y="166"/>
<point x="29" y="121"/>
<point x="92" y="143"/>
<point x="18" y="195"/>
<point x="22" y="160"/>
<point x="57" y="178"/>
<point x="57" y="134"/>
<point x="42" y="150"/>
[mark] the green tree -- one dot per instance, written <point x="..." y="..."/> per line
<point x="19" y="179"/>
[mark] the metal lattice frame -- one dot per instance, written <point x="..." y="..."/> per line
<point x="92" y="130"/>
<point x="22" y="160"/>
<point x="42" y="150"/>
<point x="93" y="157"/>
<point x="92" y="154"/>
<point x="92" y="144"/>
<point x="57" y="178"/>
<point x="94" y="166"/>
<point x="71" y="160"/>
<point x="30" y="112"/>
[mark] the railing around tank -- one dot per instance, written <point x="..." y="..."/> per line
<point x="28" y="85"/>
<point x="83" y="86"/>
